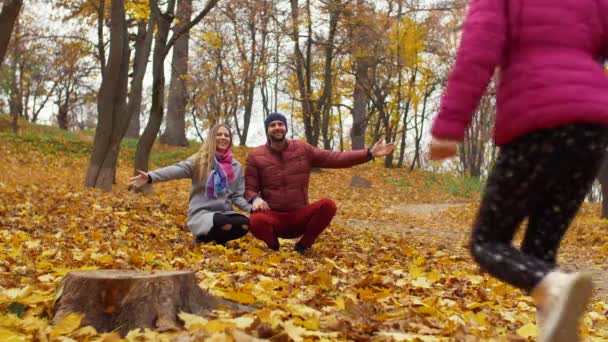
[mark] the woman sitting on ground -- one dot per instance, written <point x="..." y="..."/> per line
<point x="217" y="184"/>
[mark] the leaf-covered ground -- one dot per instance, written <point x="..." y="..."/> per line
<point x="379" y="272"/>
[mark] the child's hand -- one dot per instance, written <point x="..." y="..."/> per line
<point x="442" y="149"/>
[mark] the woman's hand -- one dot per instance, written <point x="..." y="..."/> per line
<point x="139" y="180"/>
<point x="260" y="205"/>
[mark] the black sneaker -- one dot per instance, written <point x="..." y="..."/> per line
<point x="276" y="245"/>
<point x="300" y="249"/>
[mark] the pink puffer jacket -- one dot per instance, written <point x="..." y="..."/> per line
<point x="549" y="52"/>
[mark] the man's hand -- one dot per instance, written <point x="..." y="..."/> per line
<point x="260" y="205"/>
<point x="382" y="149"/>
<point x="139" y="180"/>
<point x="442" y="149"/>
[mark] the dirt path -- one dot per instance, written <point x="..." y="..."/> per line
<point x="457" y="240"/>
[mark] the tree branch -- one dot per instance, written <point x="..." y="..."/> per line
<point x="191" y="24"/>
<point x="100" y="44"/>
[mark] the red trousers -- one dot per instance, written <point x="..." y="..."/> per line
<point x="308" y="222"/>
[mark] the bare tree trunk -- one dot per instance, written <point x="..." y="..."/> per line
<point x="314" y="111"/>
<point x="388" y="161"/>
<point x="277" y="54"/>
<point x="143" y="44"/>
<point x="8" y="18"/>
<point x="62" y="114"/>
<point x="264" y="70"/>
<point x="144" y="145"/>
<point x="341" y="129"/>
<point x="26" y="96"/>
<point x="477" y="137"/>
<point x="111" y="104"/>
<point x="420" y="131"/>
<point x="247" y="113"/>
<point x="325" y="132"/>
<point x="264" y="77"/>
<point x="101" y="50"/>
<point x="250" y="81"/>
<point x="161" y="49"/>
<point x="175" y="123"/>
<point x="303" y="73"/>
<point x="326" y="98"/>
<point x="16" y="98"/>
<point x="362" y="81"/>
<point x="36" y="110"/>
<point x="406" y="110"/>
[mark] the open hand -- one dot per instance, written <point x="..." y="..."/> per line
<point x="442" y="149"/>
<point x="139" y="180"/>
<point x="381" y="148"/>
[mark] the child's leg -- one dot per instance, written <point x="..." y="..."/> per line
<point x="544" y="176"/>
<point x="579" y="154"/>
<point x="511" y="189"/>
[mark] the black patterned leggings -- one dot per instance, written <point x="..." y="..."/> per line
<point x="544" y="177"/>
<point x="225" y="228"/>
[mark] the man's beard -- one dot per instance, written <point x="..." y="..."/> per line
<point x="276" y="140"/>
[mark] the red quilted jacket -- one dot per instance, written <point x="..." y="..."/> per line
<point x="281" y="178"/>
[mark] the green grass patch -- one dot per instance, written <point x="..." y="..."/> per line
<point x="55" y="141"/>
<point x="464" y="186"/>
<point x="161" y="159"/>
<point x="401" y="182"/>
<point x="455" y="185"/>
<point x="52" y="144"/>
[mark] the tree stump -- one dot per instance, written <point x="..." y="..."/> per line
<point x="112" y="300"/>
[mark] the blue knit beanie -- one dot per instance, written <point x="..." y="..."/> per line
<point x="274" y="117"/>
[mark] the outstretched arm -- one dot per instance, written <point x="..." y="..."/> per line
<point x="481" y="49"/>
<point x="329" y="159"/>
<point x="183" y="169"/>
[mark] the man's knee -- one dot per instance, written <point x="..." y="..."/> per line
<point x="328" y="207"/>
<point x="259" y="222"/>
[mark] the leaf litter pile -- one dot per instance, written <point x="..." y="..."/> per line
<point x="379" y="272"/>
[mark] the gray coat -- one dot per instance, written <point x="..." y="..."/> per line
<point x="202" y="208"/>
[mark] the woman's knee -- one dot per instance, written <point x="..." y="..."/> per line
<point x="238" y="220"/>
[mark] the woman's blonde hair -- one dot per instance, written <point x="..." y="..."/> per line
<point x="204" y="157"/>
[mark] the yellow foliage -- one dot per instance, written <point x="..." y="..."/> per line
<point x="138" y="10"/>
<point x="67" y="324"/>
<point x="407" y="39"/>
<point x="212" y="40"/>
